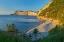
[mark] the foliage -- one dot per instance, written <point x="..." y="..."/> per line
<point x="55" y="10"/>
<point x="55" y="35"/>
<point x="35" y="33"/>
<point x="7" y="37"/>
<point x="11" y="28"/>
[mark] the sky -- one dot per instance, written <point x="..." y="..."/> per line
<point x="9" y="6"/>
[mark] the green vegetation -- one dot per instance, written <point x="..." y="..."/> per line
<point x="35" y="33"/>
<point x="12" y="35"/>
<point x="7" y="37"/>
<point x="15" y="12"/>
<point x="55" y="35"/>
<point x="11" y="28"/>
<point x="55" y="10"/>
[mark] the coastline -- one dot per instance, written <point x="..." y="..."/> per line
<point x="44" y="27"/>
<point x="23" y="15"/>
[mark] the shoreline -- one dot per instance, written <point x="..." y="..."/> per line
<point x="43" y="28"/>
<point x="23" y="15"/>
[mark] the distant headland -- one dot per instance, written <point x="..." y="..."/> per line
<point x="29" y="13"/>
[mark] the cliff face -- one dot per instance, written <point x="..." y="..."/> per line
<point x="29" y="13"/>
<point x="53" y="10"/>
<point x="46" y="6"/>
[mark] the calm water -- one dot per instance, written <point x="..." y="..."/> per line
<point x="22" y="23"/>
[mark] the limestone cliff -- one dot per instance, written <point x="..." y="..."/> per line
<point x="46" y="6"/>
<point x="29" y="13"/>
<point x="53" y="11"/>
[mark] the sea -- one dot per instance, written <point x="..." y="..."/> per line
<point x="22" y="23"/>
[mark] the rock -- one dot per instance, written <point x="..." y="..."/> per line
<point x="29" y="13"/>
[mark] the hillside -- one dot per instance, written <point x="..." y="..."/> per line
<point x="9" y="37"/>
<point x="12" y="34"/>
<point x="55" y="10"/>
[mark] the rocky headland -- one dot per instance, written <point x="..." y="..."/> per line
<point x="29" y="13"/>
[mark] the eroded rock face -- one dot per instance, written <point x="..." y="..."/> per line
<point x="29" y="13"/>
<point x="46" y="6"/>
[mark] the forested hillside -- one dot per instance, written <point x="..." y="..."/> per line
<point x="55" y="10"/>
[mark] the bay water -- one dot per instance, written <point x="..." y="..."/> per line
<point x="22" y="23"/>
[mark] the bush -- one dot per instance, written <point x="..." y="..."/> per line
<point x="55" y="35"/>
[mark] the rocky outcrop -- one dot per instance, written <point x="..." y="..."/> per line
<point x="46" y="6"/>
<point x="41" y="18"/>
<point x="29" y="13"/>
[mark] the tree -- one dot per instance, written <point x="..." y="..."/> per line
<point x="11" y="28"/>
<point x="8" y="28"/>
<point x="56" y="34"/>
<point x="35" y="33"/>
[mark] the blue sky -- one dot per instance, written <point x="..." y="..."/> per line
<point x="9" y="6"/>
